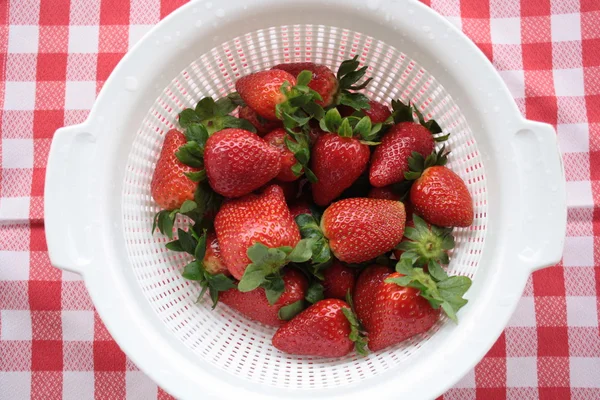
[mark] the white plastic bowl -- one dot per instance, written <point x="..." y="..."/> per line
<point x="98" y="206"/>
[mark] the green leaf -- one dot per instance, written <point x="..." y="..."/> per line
<point x="309" y="227"/>
<point x="187" y="206"/>
<point x="206" y="199"/>
<point x="360" y="341"/>
<point x="321" y="252"/>
<point x="274" y="288"/>
<point x="436" y="271"/>
<point x="174" y="246"/>
<point x="345" y="130"/>
<point x="304" y="78"/>
<point x="229" y="121"/>
<point x="291" y="310"/>
<point x="361" y="86"/>
<point x="224" y="106"/>
<point x="187" y="117"/>
<point x="257" y="252"/>
<point x="352" y="77"/>
<point x="404" y="266"/>
<point x="253" y="277"/>
<point x="433" y="127"/>
<point x="439" y="139"/>
<point x="297" y="169"/>
<point x="191" y="154"/>
<point x="221" y="282"/>
<point x="265" y="261"/>
<point x="314" y="292"/>
<point x="363" y="128"/>
<point x="236" y="99"/>
<point x="196" y="176"/>
<point x="312" y="178"/>
<point x="196" y="132"/>
<point x="357" y="101"/>
<point x="292" y="145"/>
<point x="347" y="66"/>
<point x="164" y="221"/>
<point x="194" y="271"/>
<point x="303" y="155"/>
<point x="206" y="108"/>
<point x="314" y="110"/>
<point x="302" y="252"/>
<point x="454" y="286"/>
<point x="450" y="311"/>
<point x="200" y="249"/>
<point x="402" y="112"/>
<point x="332" y="120"/>
<point x="187" y="241"/>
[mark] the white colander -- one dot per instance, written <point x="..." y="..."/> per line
<point x="99" y="210"/>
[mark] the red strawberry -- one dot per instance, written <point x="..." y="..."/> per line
<point x="378" y="112"/>
<point x="390" y="158"/>
<point x="290" y="189"/>
<point x="323" y="79"/>
<point x="255" y="218"/>
<point x="300" y="206"/>
<point x="385" y="193"/>
<point x="337" y="162"/>
<point x="360" y="229"/>
<point x="213" y="262"/>
<point x="277" y="139"/>
<point x="170" y="187"/>
<point x="238" y="162"/>
<point x="365" y="291"/>
<point x="261" y="91"/>
<point x="254" y="304"/>
<point x="398" y="314"/>
<point x="339" y="279"/>
<point x="263" y="126"/>
<point x="442" y="198"/>
<point x="314" y="132"/>
<point x="321" y="330"/>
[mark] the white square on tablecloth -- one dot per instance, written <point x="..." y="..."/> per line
<point x="83" y="39"/>
<point x="16" y="325"/>
<point x="14" y="265"/>
<point x="467" y="381"/>
<point x="454" y="20"/>
<point x="14" y="208"/>
<point x="78" y="385"/>
<point x="578" y="252"/>
<point x="15" y="385"/>
<point x="585" y="372"/>
<point x="506" y="30"/>
<point x="579" y="194"/>
<point x="515" y="80"/>
<point x="573" y="138"/>
<point x="582" y="311"/>
<point x="17" y="153"/>
<point x="23" y="38"/>
<point x="565" y="27"/>
<point x="78" y="325"/>
<point x="80" y="95"/>
<point x="19" y="96"/>
<point x="524" y="314"/>
<point x="139" y="386"/>
<point x="136" y="32"/>
<point x="521" y="372"/>
<point x="568" y="82"/>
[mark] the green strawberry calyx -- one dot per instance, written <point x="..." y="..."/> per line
<point x="351" y="126"/>
<point x="426" y="244"/>
<point x="357" y="332"/>
<point x="215" y="115"/>
<point x="406" y="112"/>
<point x="417" y="164"/>
<point x="348" y="75"/>
<point x="435" y="285"/>
<point x="266" y="264"/>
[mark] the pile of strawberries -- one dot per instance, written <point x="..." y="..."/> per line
<point x="309" y="207"/>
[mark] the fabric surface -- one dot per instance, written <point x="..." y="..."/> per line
<point x="56" y="54"/>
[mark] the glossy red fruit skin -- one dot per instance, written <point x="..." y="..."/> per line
<point x="261" y="91"/>
<point x="213" y="262"/>
<point x="238" y="161"/>
<point x="337" y="162"/>
<point x="378" y="112"/>
<point x="339" y="280"/>
<point x="276" y="138"/>
<point x="323" y="79"/>
<point x="409" y="223"/>
<point x="398" y="314"/>
<point x="254" y="304"/>
<point x="390" y="158"/>
<point x="441" y="197"/>
<point x="170" y="188"/>
<point x="263" y="126"/>
<point x="320" y="330"/>
<point x="384" y="193"/>
<point x="300" y="206"/>
<point x="264" y="218"/>
<point x="360" y="229"/>
<point x="365" y="291"/>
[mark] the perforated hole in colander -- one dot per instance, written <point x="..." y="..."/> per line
<point x="222" y="337"/>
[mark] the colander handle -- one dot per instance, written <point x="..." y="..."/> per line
<point x="66" y="204"/>
<point x="543" y="194"/>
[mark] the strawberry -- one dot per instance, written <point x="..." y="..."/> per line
<point x="361" y="229"/>
<point x="238" y="162"/>
<point x="337" y="162"/>
<point x="324" y="329"/>
<point x="398" y="313"/>
<point x="261" y="91"/>
<point x="385" y="193"/>
<point x="213" y="261"/>
<point x="256" y="218"/>
<point x="323" y="79"/>
<point x="339" y="280"/>
<point x="276" y="138"/>
<point x="170" y="186"/>
<point x="263" y="126"/>
<point x="390" y="158"/>
<point x="377" y="111"/>
<point x="438" y="194"/>
<point x="254" y="304"/>
<point x="299" y="206"/>
<point x="365" y="291"/>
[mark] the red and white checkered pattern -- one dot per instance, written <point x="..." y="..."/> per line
<point x="54" y="57"/>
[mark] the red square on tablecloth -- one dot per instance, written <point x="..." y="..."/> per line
<point x="46" y="122"/>
<point x="593" y="108"/>
<point x="484" y="393"/>
<point x="474" y="9"/>
<point x="553" y="341"/>
<point x="591" y="55"/>
<point x="114" y="12"/>
<point x="530" y="8"/>
<point x="106" y="63"/>
<point x="45" y="295"/>
<point x="555" y="393"/>
<point x="537" y="56"/>
<point x="168" y="6"/>
<point x="51" y="66"/>
<point x="590" y="25"/>
<point x="542" y="109"/>
<point x="549" y="282"/>
<point x="38" y="238"/>
<point x="589" y="5"/>
<point x="54" y="12"/>
<point x="46" y="355"/>
<point x="108" y="356"/>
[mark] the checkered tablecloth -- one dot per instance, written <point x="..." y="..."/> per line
<point x="56" y="54"/>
